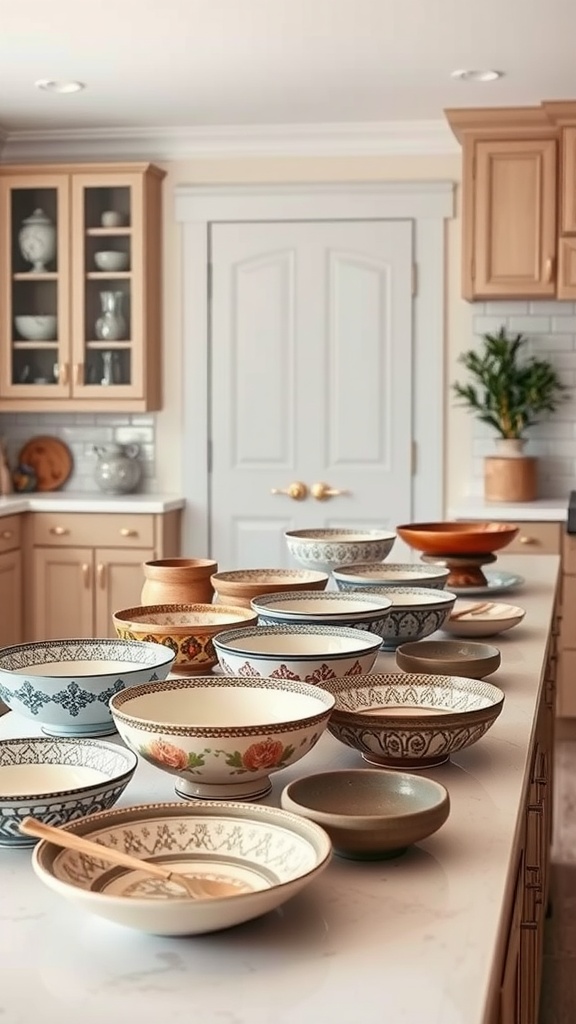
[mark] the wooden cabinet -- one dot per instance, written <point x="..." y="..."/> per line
<point x="534" y="538"/>
<point x="80" y="312"/>
<point x="10" y="581"/>
<point x="86" y="566"/>
<point x="567" y="638"/>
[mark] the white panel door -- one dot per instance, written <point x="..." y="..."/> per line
<point x="311" y="381"/>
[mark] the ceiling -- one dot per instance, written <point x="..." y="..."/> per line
<point x="208" y="63"/>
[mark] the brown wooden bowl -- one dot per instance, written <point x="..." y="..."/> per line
<point x="461" y="538"/>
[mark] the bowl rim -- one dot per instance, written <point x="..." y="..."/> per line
<point x="128" y="618"/>
<point x="441" y="597"/>
<point x="130" y="759"/>
<point x="375" y="603"/>
<point x="232" y="576"/>
<point x="5" y="652"/>
<point x="355" y="570"/>
<point x="335" y="534"/>
<point x="367" y="642"/>
<point x="488" y="651"/>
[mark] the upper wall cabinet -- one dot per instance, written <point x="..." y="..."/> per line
<point x="519" y="201"/>
<point x="80" y="310"/>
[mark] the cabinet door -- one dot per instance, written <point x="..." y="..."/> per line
<point x="63" y="593"/>
<point x="568" y="182"/>
<point x="10" y="598"/>
<point x="119" y="580"/>
<point x="567" y="268"/>
<point x="511" y="247"/>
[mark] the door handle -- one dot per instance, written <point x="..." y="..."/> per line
<point x="297" y="491"/>
<point x="86" y="574"/>
<point x="101" y="575"/>
<point x="323" y="491"/>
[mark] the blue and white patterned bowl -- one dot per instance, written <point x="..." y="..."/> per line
<point x="65" y="685"/>
<point x="326" y="548"/>
<point x="307" y="654"/>
<point x="356" y="611"/>
<point x="379" y="577"/>
<point x="416" y="612"/>
<point x="58" y="780"/>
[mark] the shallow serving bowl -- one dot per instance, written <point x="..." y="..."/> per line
<point x="58" y="780"/>
<point x="449" y="657"/>
<point x="370" y="813"/>
<point x="361" y="611"/>
<point x="379" y="576"/>
<point x="240" y="586"/>
<point x="111" y="260"/>
<point x="457" y="538"/>
<point x="259" y="856"/>
<point x="65" y="685"/>
<point x="416" y="612"/>
<point x="36" y="328"/>
<point x="475" y="618"/>
<point x="412" y="720"/>
<point x="222" y="737"/>
<point x="302" y="652"/>
<point x="326" y="548"/>
<point x="187" y="629"/>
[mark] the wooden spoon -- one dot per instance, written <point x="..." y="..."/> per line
<point x="474" y="610"/>
<point x="195" y="887"/>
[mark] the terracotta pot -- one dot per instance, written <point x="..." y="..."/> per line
<point x="178" y="581"/>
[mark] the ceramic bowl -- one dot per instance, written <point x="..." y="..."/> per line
<point x="476" y="618"/>
<point x="110" y="260"/>
<point x="326" y="548"/>
<point x="221" y="738"/>
<point x="240" y="586"/>
<point x="360" y="611"/>
<point x="36" y="328"/>
<point x="58" y="780"/>
<point x="65" y="685"/>
<point x="370" y="813"/>
<point x="379" y="576"/>
<point x="301" y="652"/>
<point x="187" y="629"/>
<point x="412" y="720"/>
<point x="457" y="538"/>
<point x="262" y="856"/>
<point x="416" y="612"/>
<point x="449" y="657"/>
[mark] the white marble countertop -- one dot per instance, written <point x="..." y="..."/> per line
<point x="69" y="501"/>
<point x="407" y="941"/>
<point x="543" y="510"/>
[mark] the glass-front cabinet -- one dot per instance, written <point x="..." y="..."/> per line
<point x="80" y="264"/>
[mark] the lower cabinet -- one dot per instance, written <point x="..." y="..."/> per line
<point x="10" y="581"/>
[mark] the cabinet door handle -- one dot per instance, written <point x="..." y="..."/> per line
<point x="86" y="574"/>
<point x="63" y="373"/>
<point x="6" y="534"/>
<point x="126" y="532"/>
<point x="527" y="540"/>
<point x="101" y="575"/>
<point x="78" y="372"/>
<point x="59" y="531"/>
<point x="549" y="268"/>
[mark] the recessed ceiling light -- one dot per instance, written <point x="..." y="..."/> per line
<point x="53" y="85"/>
<point x="466" y="75"/>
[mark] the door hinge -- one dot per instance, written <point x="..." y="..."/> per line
<point x="413" y="458"/>
<point x="414" y="279"/>
<point x="209" y="455"/>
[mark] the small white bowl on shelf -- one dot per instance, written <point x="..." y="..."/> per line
<point x="36" y="328"/>
<point x="111" y="260"/>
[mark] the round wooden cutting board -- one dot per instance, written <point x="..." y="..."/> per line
<point x="51" y="460"/>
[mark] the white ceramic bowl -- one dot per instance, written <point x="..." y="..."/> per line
<point x="58" y="780"/>
<point x="412" y="720"/>
<point x="359" y="611"/>
<point x="36" y="328"/>
<point x="262" y="855"/>
<point x="112" y="261"/>
<point x="299" y="652"/>
<point x="378" y="577"/>
<point x="326" y="548"/>
<point x="477" y="618"/>
<point x="221" y="738"/>
<point x="416" y="612"/>
<point x="65" y="685"/>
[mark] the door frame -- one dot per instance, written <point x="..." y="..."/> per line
<point x="426" y="203"/>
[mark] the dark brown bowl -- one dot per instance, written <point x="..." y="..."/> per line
<point x="461" y="538"/>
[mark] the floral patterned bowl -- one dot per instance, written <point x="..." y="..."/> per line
<point x="222" y="737"/>
<point x="187" y="629"/>
<point x="65" y="685"/>
<point x="301" y="652"/>
<point x="326" y="548"/>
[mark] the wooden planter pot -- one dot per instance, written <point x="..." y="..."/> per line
<point x="510" y="479"/>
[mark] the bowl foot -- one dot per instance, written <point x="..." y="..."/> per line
<point x="251" y="790"/>
<point x="406" y="764"/>
<point x="108" y="729"/>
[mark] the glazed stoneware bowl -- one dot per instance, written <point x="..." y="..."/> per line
<point x="359" y="611"/>
<point x="488" y="618"/>
<point x="65" y="685"/>
<point x="259" y="857"/>
<point x="326" y="548"/>
<point x="187" y="629"/>
<point x="369" y="813"/>
<point x="416" y="612"/>
<point x="221" y="738"/>
<point x="300" y="652"/>
<point x="412" y="720"/>
<point x="36" y="328"/>
<point x="380" y="576"/>
<point x="457" y="538"/>
<point x="58" y="780"/>
<point x="108" y="259"/>
<point x="449" y="657"/>
<point x="240" y="586"/>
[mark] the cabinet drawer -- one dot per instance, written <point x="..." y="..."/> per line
<point x="79" y="528"/>
<point x="569" y="553"/>
<point x="536" y="539"/>
<point x="10" y="533"/>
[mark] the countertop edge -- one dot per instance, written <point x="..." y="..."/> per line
<point x="62" y="502"/>
<point x="542" y="510"/>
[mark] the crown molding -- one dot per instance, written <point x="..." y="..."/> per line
<point x="385" y="138"/>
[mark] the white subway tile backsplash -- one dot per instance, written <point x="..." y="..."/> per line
<point x="551" y="308"/>
<point x="561" y="324"/>
<point x="529" y="324"/>
<point x="486" y="324"/>
<point x="501" y="309"/>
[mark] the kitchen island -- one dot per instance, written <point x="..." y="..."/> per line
<point x="422" y="939"/>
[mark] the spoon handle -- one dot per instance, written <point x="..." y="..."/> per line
<point x="474" y="610"/>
